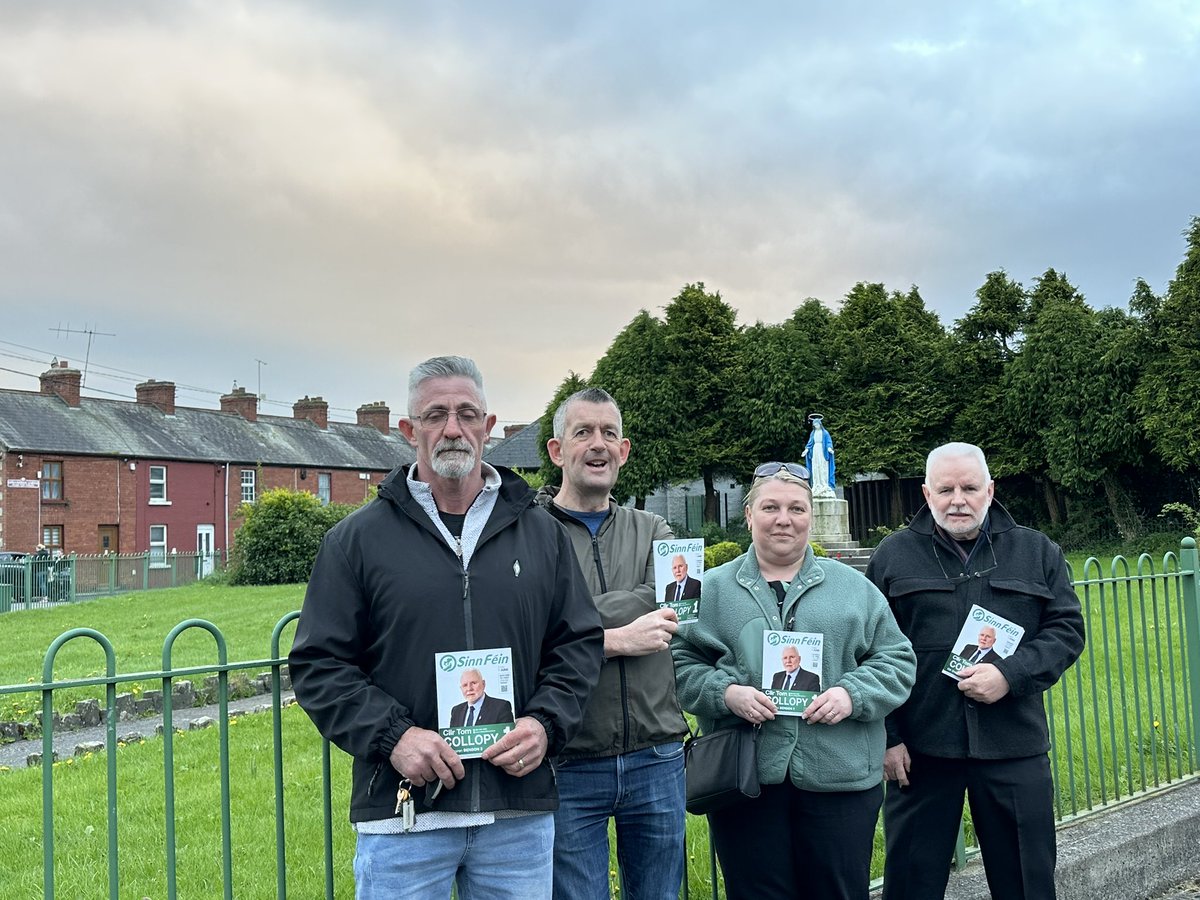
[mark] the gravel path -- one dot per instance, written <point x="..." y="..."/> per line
<point x="15" y="754"/>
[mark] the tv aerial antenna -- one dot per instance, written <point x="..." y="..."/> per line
<point x="91" y="333"/>
<point x="261" y="363"/>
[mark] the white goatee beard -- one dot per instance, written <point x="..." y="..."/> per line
<point x="454" y="468"/>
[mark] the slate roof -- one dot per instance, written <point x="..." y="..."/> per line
<point x="43" y="423"/>
<point x="519" y="451"/>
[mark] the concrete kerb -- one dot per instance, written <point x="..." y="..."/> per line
<point x="1131" y="852"/>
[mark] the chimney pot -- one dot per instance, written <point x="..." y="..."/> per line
<point x="62" y="381"/>
<point x="241" y="403"/>
<point x="157" y="393"/>
<point x="315" y="409"/>
<point x="375" y="415"/>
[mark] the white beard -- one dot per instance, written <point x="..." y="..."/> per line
<point x="453" y="467"/>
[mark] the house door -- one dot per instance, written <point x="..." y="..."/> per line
<point x="108" y="538"/>
<point x="205" y="539"/>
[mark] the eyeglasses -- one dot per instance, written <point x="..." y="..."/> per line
<point x="967" y="576"/>
<point x="468" y="416"/>
<point x="767" y="469"/>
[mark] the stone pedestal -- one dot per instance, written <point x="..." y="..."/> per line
<point x="830" y="521"/>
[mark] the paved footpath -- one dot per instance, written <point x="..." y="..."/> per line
<point x="15" y="755"/>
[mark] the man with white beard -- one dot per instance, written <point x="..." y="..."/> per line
<point x="984" y="732"/>
<point x="453" y="558"/>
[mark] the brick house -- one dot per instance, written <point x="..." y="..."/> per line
<point x="86" y="475"/>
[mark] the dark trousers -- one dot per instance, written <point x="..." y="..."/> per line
<point x="791" y="843"/>
<point x="1012" y="808"/>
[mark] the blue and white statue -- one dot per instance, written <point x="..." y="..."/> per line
<point x="818" y="456"/>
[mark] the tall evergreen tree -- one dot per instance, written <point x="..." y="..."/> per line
<point x="788" y="370"/>
<point x="890" y="400"/>
<point x="704" y="379"/>
<point x="985" y="341"/>
<point x="1070" y="391"/>
<point x="634" y="371"/>
<point x="1168" y="393"/>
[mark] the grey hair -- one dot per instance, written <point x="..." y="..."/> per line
<point x="957" y="450"/>
<point x="444" y="367"/>
<point x="587" y="395"/>
<point x="781" y="475"/>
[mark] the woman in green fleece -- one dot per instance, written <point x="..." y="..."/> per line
<point x="811" y="831"/>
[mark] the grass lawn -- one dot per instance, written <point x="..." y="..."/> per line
<point x="80" y="829"/>
<point x="137" y="624"/>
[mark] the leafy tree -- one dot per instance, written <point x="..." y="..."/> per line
<point x="704" y="383"/>
<point x="985" y="341"/>
<point x="998" y="316"/>
<point x="549" y="473"/>
<point x="890" y="401"/>
<point x="1168" y="393"/>
<point x="634" y="371"/>
<point x="1070" y="388"/>
<point x="280" y="535"/>
<point x="788" y="373"/>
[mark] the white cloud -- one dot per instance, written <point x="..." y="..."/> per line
<point x="339" y="189"/>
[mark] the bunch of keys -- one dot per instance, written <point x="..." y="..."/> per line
<point x="405" y="807"/>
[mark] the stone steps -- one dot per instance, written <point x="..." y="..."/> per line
<point x="855" y="557"/>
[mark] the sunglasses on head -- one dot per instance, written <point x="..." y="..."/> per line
<point x="767" y="469"/>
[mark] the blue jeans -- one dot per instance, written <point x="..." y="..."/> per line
<point x="643" y="791"/>
<point x="510" y="858"/>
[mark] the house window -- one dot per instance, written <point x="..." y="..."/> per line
<point x="52" y="481"/>
<point x="158" y="484"/>
<point x="324" y="487"/>
<point x="247" y="485"/>
<point x="52" y="537"/>
<point x="158" y="545"/>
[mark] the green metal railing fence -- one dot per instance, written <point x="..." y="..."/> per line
<point x="37" y="582"/>
<point x="1124" y="723"/>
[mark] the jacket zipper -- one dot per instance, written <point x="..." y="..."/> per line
<point x="620" y="659"/>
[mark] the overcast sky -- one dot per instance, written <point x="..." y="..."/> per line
<point x="341" y="190"/>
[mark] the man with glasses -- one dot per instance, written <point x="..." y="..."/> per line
<point x="626" y="763"/>
<point x="453" y="558"/>
<point x="985" y="735"/>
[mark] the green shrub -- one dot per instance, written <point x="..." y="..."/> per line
<point x="877" y="534"/>
<point x="817" y="549"/>
<point x="279" y="537"/>
<point x="713" y="533"/>
<point x="534" y="479"/>
<point x="720" y="553"/>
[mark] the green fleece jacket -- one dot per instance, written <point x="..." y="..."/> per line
<point x="864" y="652"/>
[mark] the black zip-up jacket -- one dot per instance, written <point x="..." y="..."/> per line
<point x="930" y="594"/>
<point x="634" y="704"/>
<point x="387" y="593"/>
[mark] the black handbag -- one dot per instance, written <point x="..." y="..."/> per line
<point x="721" y="768"/>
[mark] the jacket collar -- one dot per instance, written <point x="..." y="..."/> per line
<point x="810" y="573"/>
<point x="545" y="499"/>
<point x="515" y="493"/>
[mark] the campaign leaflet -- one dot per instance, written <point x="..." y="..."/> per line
<point x="985" y="638"/>
<point x="475" y="698"/>
<point x="791" y="670"/>
<point x="678" y="565"/>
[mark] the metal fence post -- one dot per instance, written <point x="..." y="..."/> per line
<point x="1189" y="567"/>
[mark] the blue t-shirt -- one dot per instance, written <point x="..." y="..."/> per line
<point x="593" y="520"/>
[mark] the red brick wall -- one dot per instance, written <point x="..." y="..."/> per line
<point x="345" y="486"/>
<point x="90" y="499"/>
<point x="196" y="491"/>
